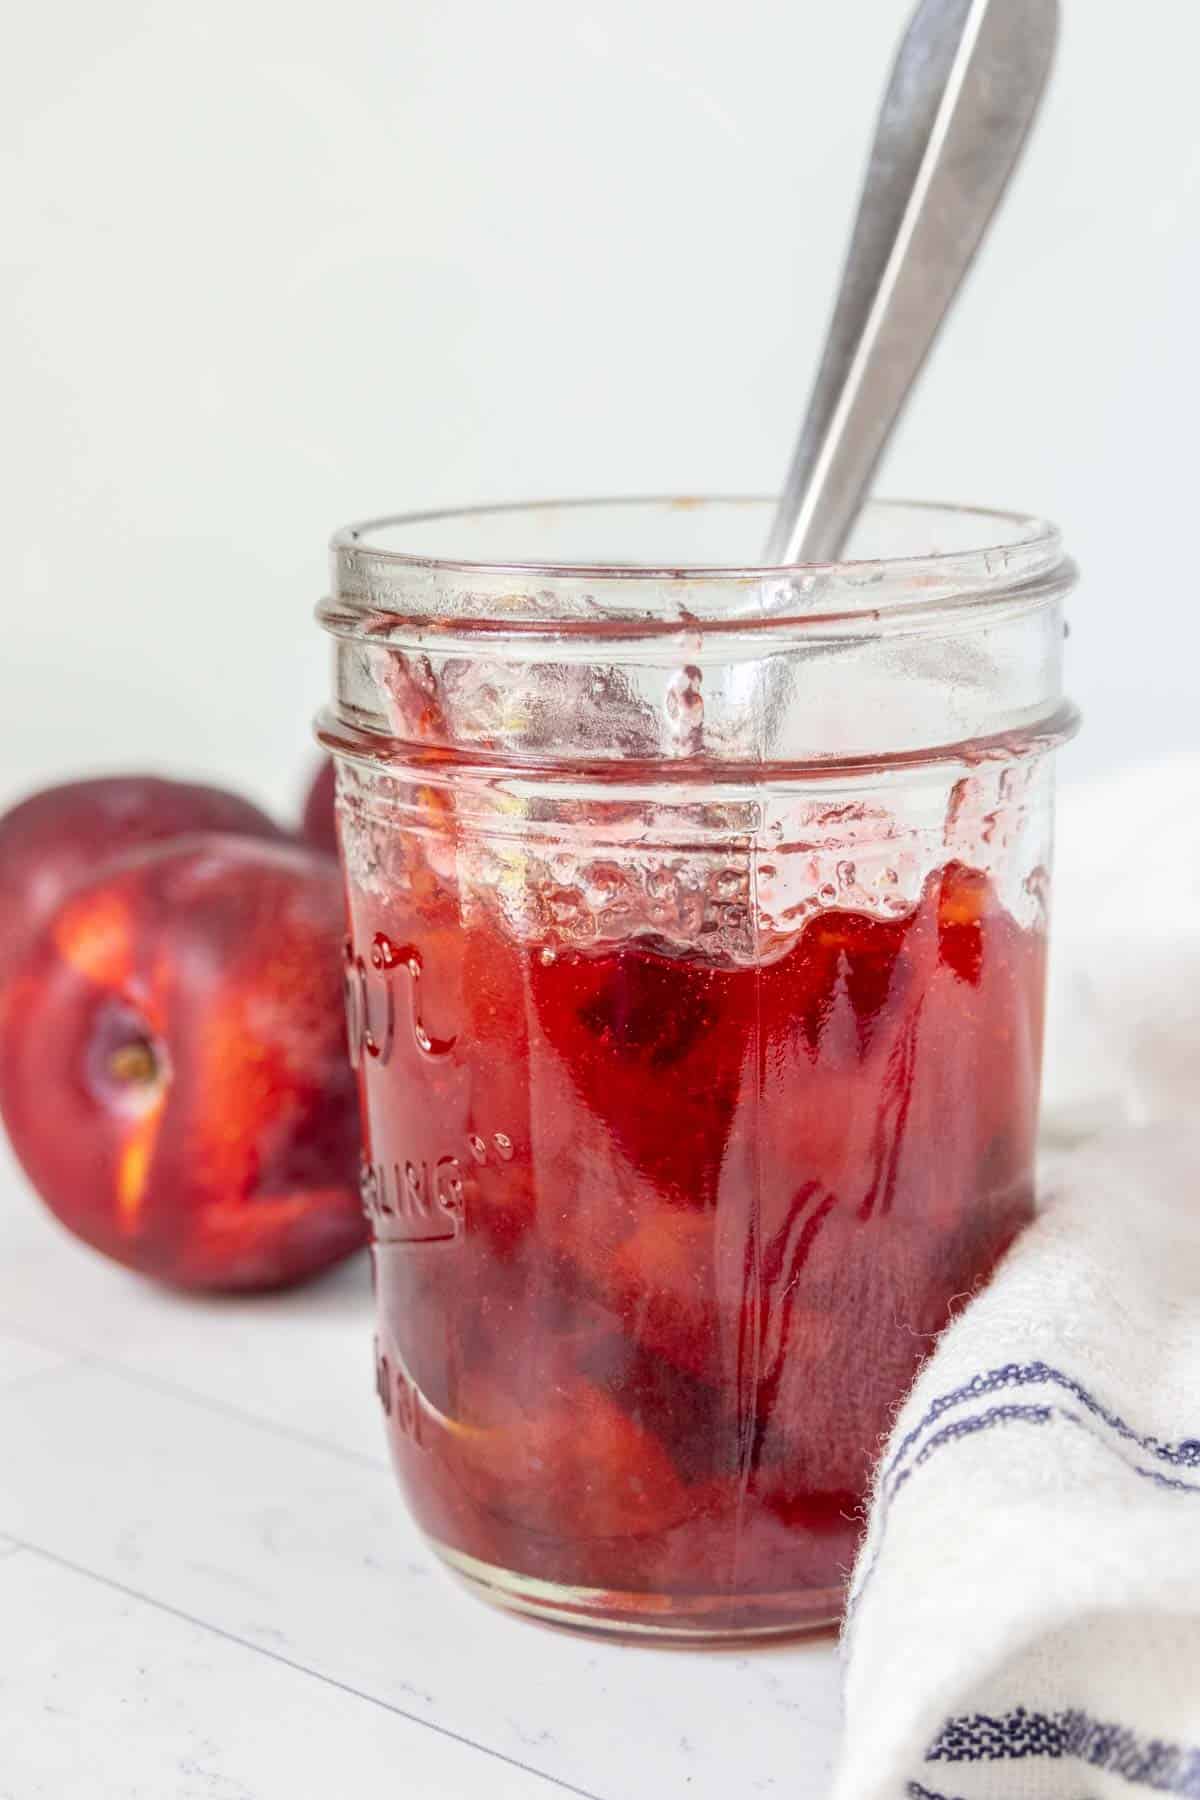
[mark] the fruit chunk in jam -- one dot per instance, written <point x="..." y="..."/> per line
<point x="661" y="1242"/>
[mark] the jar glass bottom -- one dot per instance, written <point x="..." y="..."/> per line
<point x="697" y="1619"/>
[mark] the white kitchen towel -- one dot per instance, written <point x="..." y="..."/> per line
<point x="1123" y="1022"/>
<point x="1024" y="1617"/>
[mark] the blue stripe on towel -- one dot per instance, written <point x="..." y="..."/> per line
<point x="1117" y="1749"/>
<point x="1184" y="1454"/>
<point x="917" y="1791"/>
<point x="1030" y="1415"/>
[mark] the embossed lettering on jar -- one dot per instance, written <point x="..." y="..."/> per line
<point x="694" y="982"/>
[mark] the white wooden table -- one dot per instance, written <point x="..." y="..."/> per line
<point x="209" y="1588"/>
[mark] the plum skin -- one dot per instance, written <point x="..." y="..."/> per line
<point x="318" y="826"/>
<point x="58" y="837"/>
<point x="173" y="1070"/>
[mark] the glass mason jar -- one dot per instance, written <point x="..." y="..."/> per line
<point x="695" y="983"/>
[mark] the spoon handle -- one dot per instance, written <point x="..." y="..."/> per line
<point x="963" y="92"/>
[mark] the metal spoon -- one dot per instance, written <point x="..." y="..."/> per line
<point x="962" y="95"/>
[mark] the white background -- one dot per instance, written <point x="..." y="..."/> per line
<point x="269" y="265"/>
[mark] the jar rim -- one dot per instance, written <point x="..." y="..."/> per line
<point x="1031" y="532"/>
<point x="994" y="555"/>
<point x="536" y="662"/>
